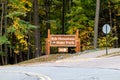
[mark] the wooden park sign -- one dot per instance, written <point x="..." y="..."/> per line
<point x="62" y="41"/>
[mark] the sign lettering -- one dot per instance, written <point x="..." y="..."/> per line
<point x="62" y="40"/>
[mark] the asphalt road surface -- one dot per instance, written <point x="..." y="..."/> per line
<point x="83" y="67"/>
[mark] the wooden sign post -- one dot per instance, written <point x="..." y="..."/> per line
<point x="62" y="41"/>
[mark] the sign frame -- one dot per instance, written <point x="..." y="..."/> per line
<point x="62" y="41"/>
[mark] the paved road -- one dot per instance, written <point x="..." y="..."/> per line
<point x="15" y="75"/>
<point x="67" y="73"/>
<point x="82" y="67"/>
<point x="89" y="60"/>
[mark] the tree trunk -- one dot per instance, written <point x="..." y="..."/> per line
<point x="110" y="13"/>
<point x="47" y="6"/>
<point x="29" y="39"/>
<point x="29" y="47"/>
<point x="37" y="30"/>
<point x="96" y="23"/>
<point x="6" y="49"/>
<point x="3" y="62"/>
<point x="63" y="17"/>
<point x="15" y="58"/>
<point x="1" y="30"/>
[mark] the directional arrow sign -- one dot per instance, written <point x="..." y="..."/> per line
<point x="106" y="28"/>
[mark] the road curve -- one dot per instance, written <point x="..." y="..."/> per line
<point x="22" y="75"/>
<point x="81" y="67"/>
<point x="69" y="73"/>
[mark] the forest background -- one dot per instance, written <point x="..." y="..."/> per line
<point x="24" y="25"/>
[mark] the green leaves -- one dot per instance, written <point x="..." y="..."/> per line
<point x="2" y="53"/>
<point x="115" y="1"/>
<point x="11" y="29"/>
<point x="77" y="2"/>
<point x="81" y="17"/>
<point x="110" y="42"/>
<point x="13" y="1"/>
<point x="57" y="2"/>
<point x="27" y="24"/>
<point x="4" y="40"/>
<point x="113" y="39"/>
<point x="16" y="14"/>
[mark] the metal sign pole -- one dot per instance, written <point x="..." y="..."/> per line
<point x="106" y="42"/>
<point x="106" y="45"/>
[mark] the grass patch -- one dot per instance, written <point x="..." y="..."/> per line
<point x="47" y="58"/>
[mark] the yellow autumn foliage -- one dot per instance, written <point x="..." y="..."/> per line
<point x="85" y="36"/>
<point x="102" y="42"/>
<point x="16" y="51"/>
<point x="22" y="7"/>
<point x="19" y="37"/>
<point x="23" y="0"/>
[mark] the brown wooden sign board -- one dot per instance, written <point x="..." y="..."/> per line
<point x="62" y="49"/>
<point x="62" y="41"/>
